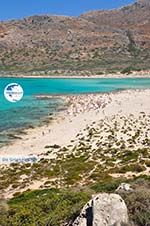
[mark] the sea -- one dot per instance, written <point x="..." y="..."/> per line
<point x="32" y="111"/>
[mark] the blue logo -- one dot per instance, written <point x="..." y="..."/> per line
<point x="13" y="92"/>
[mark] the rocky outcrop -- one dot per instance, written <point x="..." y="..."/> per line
<point x="124" y="187"/>
<point x="103" y="210"/>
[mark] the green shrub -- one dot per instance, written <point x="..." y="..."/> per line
<point x="109" y="186"/>
<point x="138" y="203"/>
<point x="44" y="207"/>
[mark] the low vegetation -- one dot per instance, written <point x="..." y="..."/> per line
<point x="55" y="207"/>
<point x="43" y="207"/>
<point x="91" y="163"/>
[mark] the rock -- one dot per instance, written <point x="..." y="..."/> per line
<point x="109" y="209"/>
<point x="86" y="217"/>
<point x="103" y="210"/>
<point x="124" y="187"/>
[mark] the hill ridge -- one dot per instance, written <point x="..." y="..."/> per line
<point x="96" y="41"/>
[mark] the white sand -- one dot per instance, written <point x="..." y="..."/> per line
<point x="84" y="109"/>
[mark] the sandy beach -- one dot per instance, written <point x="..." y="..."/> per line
<point x="82" y="111"/>
<point x="116" y="75"/>
<point x="112" y="130"/>
<point x="81" y="74"/>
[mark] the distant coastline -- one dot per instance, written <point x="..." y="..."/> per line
<point x="141" y="74"/>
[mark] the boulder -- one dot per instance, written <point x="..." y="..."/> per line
<point x="124" y="187"/>
<point x="103" y="210"/>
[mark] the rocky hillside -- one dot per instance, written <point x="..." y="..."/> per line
<point x="97" y="41"/>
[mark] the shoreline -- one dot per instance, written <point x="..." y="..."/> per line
<point x="82" y="110"/>
<point x="107" y="128"/>
<point x="117" y="76"/>
<point x="48" y="120"/>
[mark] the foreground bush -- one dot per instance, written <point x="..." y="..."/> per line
<point x="54" y="207"/>
<point x="138" y="203"/>
<point x="43" y="208"/>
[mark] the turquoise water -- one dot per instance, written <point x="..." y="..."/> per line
<point x="30" y="111"/>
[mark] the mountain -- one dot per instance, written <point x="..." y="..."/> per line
<point x="97" y="41"/>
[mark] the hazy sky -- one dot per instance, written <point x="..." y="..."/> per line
<point x="11" y="9"/>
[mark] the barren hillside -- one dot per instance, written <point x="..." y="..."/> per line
<point x="97" y="41"/>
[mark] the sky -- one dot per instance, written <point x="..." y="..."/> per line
<point x="15" y="9"/>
